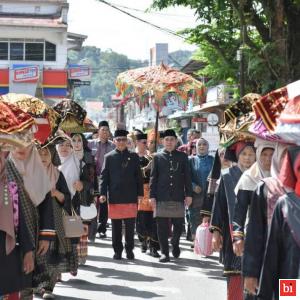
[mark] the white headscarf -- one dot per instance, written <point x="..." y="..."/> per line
<point x="276" y="159"/>
<point x="70" y="167"/>
<point x="255" y="173"/>
<point x="35" y="178"/>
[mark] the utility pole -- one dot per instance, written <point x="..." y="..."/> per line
<point x="242" y="61"/>
<point x="243" y="32"/>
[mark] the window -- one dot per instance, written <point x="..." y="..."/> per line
<point x="16" y="51"/>
<point x="34" y="51"/>
<point x="50" y="53"/>
<point x="37" y="9"/>
<point x="3" y="50"/>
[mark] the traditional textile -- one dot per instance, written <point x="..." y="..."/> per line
<point x="72" y="114"/>
<point x="169" y="209"/>
<point x="122" y="211"/>
<point x="46" y="118"/>
<point x="269" y="107"/>
<point x="235" y="288"/>
<point x="13" y="119"/>
<point x="82" y="248"/>
<point x="289" y="172"/>
<point x="241" y="107"/>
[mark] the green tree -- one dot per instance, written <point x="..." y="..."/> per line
<point x="267" y="31"/>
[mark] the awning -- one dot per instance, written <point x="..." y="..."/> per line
<point x="209" y="107"/>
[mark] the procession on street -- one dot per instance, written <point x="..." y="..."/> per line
<point x="173" y="177"/>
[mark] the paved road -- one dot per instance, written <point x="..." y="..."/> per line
<point x="188" y="278"/>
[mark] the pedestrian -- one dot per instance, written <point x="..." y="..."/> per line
<point x="146" y="224"/>
<point x="222" y="215"/>
<point x="70" y="168"/>
<point x="282" y="256"/>
<point x="200" y="165"/>
<point x="170" y="191"/>
<point x="87" y="169"/>
<point x="261" y="209"/>
<point x="121" y="178"/>
<point x="100" y="147"/>
<point x="60" y="253"/>
<point x="36" y="182"/>
<point x="17" y="243"/>
<point x="245" y="190"/>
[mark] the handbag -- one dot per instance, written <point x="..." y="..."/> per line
<point x="73" y="225"/>
<point x="88" y="212"/>
<point x="203" y="240"/>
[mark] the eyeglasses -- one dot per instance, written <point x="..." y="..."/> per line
<point x="121" y="140"/>
<point x="143" y="142"/>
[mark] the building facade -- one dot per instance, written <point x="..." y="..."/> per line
<point x="34" y="44"/>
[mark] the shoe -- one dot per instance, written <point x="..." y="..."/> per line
<point x="176" y="251"/>
<point x="144" y="247"/>
<point x="102" y="235"/>
<point x="130" y="255"/>
<point x="164" y="258"/>
<point x="48" y="295"/>
<point x="192" y="246"/>
<point x="117" y="256"/>
<point x="154" y="253"/>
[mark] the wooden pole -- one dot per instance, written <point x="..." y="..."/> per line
<point x="156" y="129"/>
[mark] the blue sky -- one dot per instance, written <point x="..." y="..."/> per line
<point x="109" y="29"/>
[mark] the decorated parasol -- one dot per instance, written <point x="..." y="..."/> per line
<point x="157" y="82"/>
<point x="46" y="119"/>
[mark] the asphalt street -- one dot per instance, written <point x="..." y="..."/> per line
<point x="189" y="277"/>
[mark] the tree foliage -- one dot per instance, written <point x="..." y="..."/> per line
<point x="268" y="32"/>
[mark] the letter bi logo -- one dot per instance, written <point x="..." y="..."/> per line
<point x="287" y="287"/>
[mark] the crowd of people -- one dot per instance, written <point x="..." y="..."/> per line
<point x="150" y="185"/>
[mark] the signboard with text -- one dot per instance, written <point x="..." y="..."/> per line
<point x="26" y="74"/>
<point x="80" y="72"/>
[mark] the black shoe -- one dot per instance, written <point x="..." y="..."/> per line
<point x="102" y="235"/>
<point x="176" y="251"/>
<point x="164" y="258"/>
<point x="130" y="255"/>
<point x="144" y="247"/>
<point x="117" y="256"/>
<point x="154" y="253"/>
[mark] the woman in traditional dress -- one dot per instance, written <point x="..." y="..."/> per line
<point x="70" y="168"/>
<point x="261" y="210"/>
<point x="222" y="217"/>
<point x="282" y="256"/>
<point x="17" y="244"/>
<point x="200" y="166"/>
<point x="90" y="185"/>
<point x="37" y="185"/>
<point x="245" y="189"/>
<point x="60" y="254"/>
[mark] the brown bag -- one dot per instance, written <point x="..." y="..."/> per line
<point x="73" y="225"/>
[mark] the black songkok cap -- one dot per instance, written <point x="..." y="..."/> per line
<point x="169" y="132"/>
<point x="120" y="132"/>
<point x="103" y="123"/>
<point x="141" y="136"/>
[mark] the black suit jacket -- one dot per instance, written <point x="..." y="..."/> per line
<point x="121" y="177"/>
<point x="170" y="178"/>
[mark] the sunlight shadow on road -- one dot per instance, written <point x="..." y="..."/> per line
<point x="114" y="289"/>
